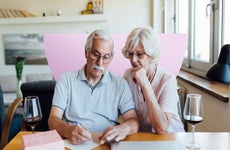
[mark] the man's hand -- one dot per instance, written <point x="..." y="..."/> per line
<point x="77" y="134"/>
<point x="114" y="134"/>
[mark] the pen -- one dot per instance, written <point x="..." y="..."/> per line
<point x="79" y="125"/>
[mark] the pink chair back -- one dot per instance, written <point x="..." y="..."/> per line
<point x="66" y="52"/>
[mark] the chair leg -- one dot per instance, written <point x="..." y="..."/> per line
<point x="23" y="126"/>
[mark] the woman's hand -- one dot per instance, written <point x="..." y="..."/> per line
<point x="139" y="75"/>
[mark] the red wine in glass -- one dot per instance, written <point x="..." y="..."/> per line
<point x="33" y="121"/>
<point x="193" y="119"/>
<point x="193" y="114"/>
<point x="32" y="111"/>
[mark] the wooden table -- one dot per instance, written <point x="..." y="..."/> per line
<point x="207" y="140"/>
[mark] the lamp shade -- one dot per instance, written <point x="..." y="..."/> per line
<point x="220" y="71"/>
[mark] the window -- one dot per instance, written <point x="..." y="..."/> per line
<point x="202" y="21"/>
<point x="226" y="22"/>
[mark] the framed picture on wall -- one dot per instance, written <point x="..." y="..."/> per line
<point x="97" y="6"/>
<point x="30" y="46"/>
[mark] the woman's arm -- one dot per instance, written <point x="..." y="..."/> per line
<point x="160" y="120"/>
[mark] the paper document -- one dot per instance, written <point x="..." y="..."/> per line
<point x="84" y="146"/>
<point x="148" y="145"/>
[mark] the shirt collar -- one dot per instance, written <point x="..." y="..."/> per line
<point x="81" y="76"/>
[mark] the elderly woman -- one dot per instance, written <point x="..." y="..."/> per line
<point x="154" y="89"/>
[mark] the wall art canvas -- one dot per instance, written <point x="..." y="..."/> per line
<point x="30" y="46"/>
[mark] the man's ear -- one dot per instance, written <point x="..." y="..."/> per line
<point x="86" y="54"/>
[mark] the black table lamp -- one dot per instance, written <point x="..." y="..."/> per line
<point x="220" y="71"/>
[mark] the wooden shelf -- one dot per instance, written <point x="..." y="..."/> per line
<point x="216" y="89"/>
<point x="55" y="19"/>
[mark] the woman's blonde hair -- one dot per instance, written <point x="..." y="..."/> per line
<point x="148" y="38"/>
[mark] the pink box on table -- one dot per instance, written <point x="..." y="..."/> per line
<point x="43" y="141"/>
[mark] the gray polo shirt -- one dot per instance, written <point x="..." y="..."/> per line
<point x="96" y="108"/>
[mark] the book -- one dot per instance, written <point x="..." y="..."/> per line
<point x="43" y="141"/>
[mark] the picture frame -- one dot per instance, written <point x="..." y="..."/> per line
<point x="97" y="6"/>
<point x="30" y="46"/>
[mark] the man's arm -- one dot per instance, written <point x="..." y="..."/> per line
<point x="74" y="133"/>
<point x="131" y="120"/>
<point x="129" y="126"/>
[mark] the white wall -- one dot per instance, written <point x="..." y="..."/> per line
<point x="123" y="16"/>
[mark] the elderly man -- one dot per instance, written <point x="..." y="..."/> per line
<point x="92" y="98"/>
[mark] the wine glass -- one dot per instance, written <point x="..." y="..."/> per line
<point x="193" y="114"/>
<point x="32" y="111"/>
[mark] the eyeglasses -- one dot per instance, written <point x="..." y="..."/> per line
<point x="140" y="55"/>
<point x="96" y="56"/>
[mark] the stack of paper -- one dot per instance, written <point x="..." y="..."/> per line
<point x="84" y="146"/>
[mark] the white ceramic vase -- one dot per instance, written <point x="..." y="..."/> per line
<point x="18" y="89"/>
